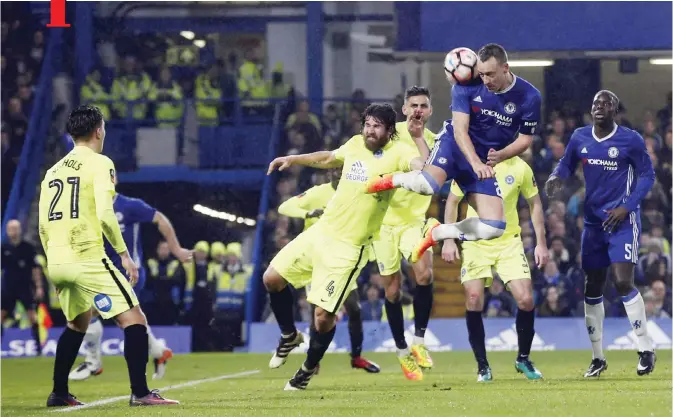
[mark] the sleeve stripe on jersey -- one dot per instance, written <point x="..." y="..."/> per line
<point x="348" y="283"/>
<point x="119" y="284"/>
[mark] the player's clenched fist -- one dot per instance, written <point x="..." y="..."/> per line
<point x="450" y="252"/>
<point x="281" y="163"/>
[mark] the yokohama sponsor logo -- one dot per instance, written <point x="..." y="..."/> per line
<point x="504" y="120"/>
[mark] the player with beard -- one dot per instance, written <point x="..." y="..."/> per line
<point x="331" y="254"/>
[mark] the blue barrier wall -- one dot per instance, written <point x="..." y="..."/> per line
<point x="19" y="342"/>
<point x="451" y="334"/>
<point x="534" y="26"/>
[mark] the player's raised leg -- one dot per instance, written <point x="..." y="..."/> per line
<point x="356" y="334"/>
<point x="423" y="300"/>
<point x="522" y="290"/>
<point x="281" y="304"/>
<point x="594" y="314"/>
<point x="635" y="311"/>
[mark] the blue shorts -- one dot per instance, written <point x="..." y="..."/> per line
<point x="447" y="155"/>
<point x="600" y="249"/>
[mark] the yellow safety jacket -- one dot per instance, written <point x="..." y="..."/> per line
<point x="206" y="111"/>
<point x="166" y="112"/>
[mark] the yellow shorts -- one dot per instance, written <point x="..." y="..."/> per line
<point x="330" y="266"/>
<point x="507" y="258"/>
<point x="395" y="242"/>
<point x="92" y="283"/>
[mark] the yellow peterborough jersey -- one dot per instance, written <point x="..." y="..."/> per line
<point x="514" y="177"/>
<point x="314" y="198"/>
<point x="352" y="215"/>
<point x="76" y="208"/>
<point x="407" y="206"/>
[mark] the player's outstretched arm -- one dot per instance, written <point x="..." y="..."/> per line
<point x="168" y="232"/>
<point x="450" y="252"/>
<point x="321" y="159"/>
<point x="537" y="216"/>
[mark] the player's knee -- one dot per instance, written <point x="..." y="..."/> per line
<point x="273" y="282"/>
<point x="525" y="301"/>
<point x="131" y="317"/>
<point x="324" y="320"/>
<point x="392" y="291"/>
<point x="419" y="182"/>
<point x="474" y="300"/>
<point x="424" y="276"/>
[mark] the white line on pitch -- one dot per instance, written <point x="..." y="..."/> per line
<point x="170" y="387"/>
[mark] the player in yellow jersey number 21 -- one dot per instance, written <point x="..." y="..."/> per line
<point x="75" y="212"/>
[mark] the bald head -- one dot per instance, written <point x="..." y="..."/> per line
<point x="14" y="230"/>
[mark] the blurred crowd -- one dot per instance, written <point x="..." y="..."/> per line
<point x="23" y="49"/>
<point x="207" y="294"/>
<point x="559" y="286"/>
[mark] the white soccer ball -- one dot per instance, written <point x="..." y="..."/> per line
<point x="460" y="66"/>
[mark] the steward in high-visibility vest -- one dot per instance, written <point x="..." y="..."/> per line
<point x="198" y="285"/>
<point x="164" y="280"/>
<point x="277" y="87"/>
<point x="93" y="93"/>
<point x="167" y="112"/>
<point x="130" y="85"/>
<point x="251" y="85"/>
<point x="208" y="97"/>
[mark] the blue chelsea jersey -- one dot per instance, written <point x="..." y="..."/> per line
<point x="496" y="119"/>
<point x="617" y="170"/>
<point x="130" y="213"/>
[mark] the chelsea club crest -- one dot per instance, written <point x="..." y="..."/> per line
<point x="510" y="108"/>
<point x="613" y="152"/>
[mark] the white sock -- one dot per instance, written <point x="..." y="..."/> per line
<point x="594" y="313"/>
<point x="92" y="341"/>
<point x="156" y="347"/>
<point x="472" y="228"/>
<point x="403" y="352"/>
<point x="419" y="340"/>
<point x="635" y="310"/>
<point x="417" y="181"/>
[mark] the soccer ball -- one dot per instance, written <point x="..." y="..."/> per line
<point x="460" y="66"/>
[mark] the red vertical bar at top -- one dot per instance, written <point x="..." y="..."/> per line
<point x="57" y="15"/>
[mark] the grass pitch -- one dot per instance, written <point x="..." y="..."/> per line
<point x="450" y="389"/>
